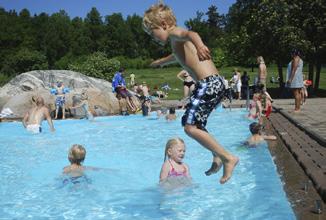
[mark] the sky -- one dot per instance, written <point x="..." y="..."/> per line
<point x="183" y="9"/>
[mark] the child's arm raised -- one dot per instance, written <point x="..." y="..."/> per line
<point x="180" y="75"/>
<point x="164" y="61"/>
<point x="183" y="34"/>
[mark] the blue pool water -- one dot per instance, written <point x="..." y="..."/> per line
<point x="130" y="150"/>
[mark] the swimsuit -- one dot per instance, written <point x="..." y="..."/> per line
<point x="34" y="128"/>
<point x="188" y="84"/>
<point x="60" y="101"/>
<point x="123" y="92"/>
<point x="174" y="173"/>
<point x="207" y="94"/>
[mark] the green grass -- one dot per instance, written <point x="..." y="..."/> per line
<point x="156" y="77"/>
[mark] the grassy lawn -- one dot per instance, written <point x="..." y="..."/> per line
<point x="156" y="77"/>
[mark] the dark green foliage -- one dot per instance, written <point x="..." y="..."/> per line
<point x="251" y="28"/>
<point x="96" y="65"/>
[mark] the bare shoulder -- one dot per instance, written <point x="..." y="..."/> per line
<point x="66" y="169"/>
<point x="178" y="32"/>
<point x="166" y="165"/>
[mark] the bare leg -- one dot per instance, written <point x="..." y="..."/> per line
<point x="130" y="104"/>
<point x="63" y="112"/>
<point x="56" y="112"/>
<point x="215" y="167"/>
<point x="297" y="98"/>
<point x="185" y="91"/>
<point x="229" y="161"/>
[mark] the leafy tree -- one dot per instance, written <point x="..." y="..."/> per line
<point x="58" y="37"/>
<point x="94" y="29"/>
<point x="97" y="65"/>
<point x="25" y="60"/>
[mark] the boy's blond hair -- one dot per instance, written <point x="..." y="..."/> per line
<point x="172" y="142"/>
<point x="154" y="16"/>
<point x="77" y="154"/>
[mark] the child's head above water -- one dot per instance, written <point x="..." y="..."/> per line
<point x="76" y="154"/>
<point x="172" y="110"/>
<point x="255" y="128"/>
<point x="157" y="14"/>
<point x="175" y="149"/>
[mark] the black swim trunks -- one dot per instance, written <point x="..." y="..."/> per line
<point x="208" y="93"/>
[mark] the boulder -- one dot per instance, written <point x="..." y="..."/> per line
<point x="17" y="94"/>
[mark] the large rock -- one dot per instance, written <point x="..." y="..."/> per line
<point x="17" y="94"/>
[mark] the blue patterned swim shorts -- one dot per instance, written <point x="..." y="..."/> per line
<point x="207" y="94"/>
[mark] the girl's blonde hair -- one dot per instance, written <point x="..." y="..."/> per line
<point x="154" y="16"/>
<point x="172" y="142"/>
<point x="260" y="59"/>
<point x="77" y="154"/>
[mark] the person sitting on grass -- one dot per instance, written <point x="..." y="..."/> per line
<point x="257" y="135"/>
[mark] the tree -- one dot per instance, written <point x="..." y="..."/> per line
<point x="94" y="29"/>
<point x="97" y="65"/>
<point x="58" y="37"/>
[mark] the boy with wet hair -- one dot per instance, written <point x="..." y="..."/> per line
<point x="193" y="55"/>
<point x="257" y="136"/>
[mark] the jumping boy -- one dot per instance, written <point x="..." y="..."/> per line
<point x="191" y="53"/>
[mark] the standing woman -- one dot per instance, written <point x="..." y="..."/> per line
<point x="188" y="83"/>
<point x="295" y="78"/>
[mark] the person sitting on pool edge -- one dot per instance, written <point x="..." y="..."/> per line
<point x="257" y="136"/>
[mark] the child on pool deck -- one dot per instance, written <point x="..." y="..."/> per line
<point x="255" y="107"/>
<point x="173" y="166"/>
<point x="193" y="55"/>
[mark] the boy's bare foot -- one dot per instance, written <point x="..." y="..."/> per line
<point x="214" y="169"/>
<point x="228" y="167"/>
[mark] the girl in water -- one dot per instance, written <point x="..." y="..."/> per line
<point x="173" y="166"/>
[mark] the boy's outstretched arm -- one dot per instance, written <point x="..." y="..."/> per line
<point x="164" y="61"/>
<point x="183" y="34"/>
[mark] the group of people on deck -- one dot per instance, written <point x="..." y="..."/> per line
<point x="204" y="89"/>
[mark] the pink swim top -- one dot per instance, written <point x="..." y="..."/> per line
<point x="173" y="172"/>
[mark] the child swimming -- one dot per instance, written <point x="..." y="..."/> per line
<point x="257" y="136"/>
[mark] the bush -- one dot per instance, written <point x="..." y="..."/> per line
<point x="23" y="61"/>
<point x="97" y="65"/>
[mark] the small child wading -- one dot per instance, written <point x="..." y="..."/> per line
<point x="192" y="54"/>
<point x="173" y="166"/>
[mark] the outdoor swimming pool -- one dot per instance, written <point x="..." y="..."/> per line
<point x="132" y="150"/>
